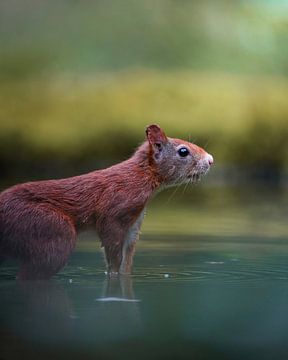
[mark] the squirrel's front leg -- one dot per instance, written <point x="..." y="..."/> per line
<point x="119" y="244"/>
<point x="112" y="236"/>
<point x="128" y="249"/>
<point x="113" y="255"/>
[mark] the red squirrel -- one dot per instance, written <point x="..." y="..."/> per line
<point x="39" y="221"/>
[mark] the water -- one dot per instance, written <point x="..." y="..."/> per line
<point x="190" y="296"/>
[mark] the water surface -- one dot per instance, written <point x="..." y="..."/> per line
<point x="191" y="295"/>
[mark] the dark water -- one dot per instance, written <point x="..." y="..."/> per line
<point x="191" y="296"/>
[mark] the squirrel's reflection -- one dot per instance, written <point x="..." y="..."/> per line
<point x="119" y="312"/>
<point x="120" y="287"/>
<point x="52" y="312"/>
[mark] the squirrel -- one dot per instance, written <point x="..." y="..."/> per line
<point x="40" y="220"/>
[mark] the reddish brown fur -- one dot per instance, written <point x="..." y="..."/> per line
<point x="39" y="221"/>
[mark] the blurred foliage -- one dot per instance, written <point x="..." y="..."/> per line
<point x="237" y="35"/>
<point x="227" y="212"/>
<point x="263" y="152"/>
<point x="105" y="115"/>
<point x="79" y="81"/>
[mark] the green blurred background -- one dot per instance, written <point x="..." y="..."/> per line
<point x="80" y="80"/>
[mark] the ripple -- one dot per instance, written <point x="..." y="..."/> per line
<point x="236" y="270"/>
<point x="230" y="271"/>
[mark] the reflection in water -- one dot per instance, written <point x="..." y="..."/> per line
<point x="118" y="289"/>
<point x="34" y="313"/>
<point x="46" y="312"/>
<point x="118" y="310"/>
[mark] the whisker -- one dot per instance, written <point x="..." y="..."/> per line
<point x="173" y="194"/>
<point x="185" y="187"/>
<point x="207" y="142"/>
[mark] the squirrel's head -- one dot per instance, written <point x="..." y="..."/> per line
<point x="176" y="161"/>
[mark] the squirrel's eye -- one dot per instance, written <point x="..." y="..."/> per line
<point x="183" y="152"/>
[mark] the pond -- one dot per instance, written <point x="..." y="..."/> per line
<point x="203" y="287"/>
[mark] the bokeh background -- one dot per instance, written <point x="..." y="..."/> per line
<point x="80" y="80"/>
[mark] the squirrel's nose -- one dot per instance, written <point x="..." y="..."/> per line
<point x="209" y="159"/>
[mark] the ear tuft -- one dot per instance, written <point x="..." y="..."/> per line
<point x="155" y="135"/>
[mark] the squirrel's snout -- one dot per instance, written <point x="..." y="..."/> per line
<point x="209" y="159"/>
<point x="204" y="163"/>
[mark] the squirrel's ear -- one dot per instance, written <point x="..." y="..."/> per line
<point x="157" y="138"/>
<point x="155" y="135"/>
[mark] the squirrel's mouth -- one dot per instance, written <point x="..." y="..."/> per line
<point x="194" y="177"/>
